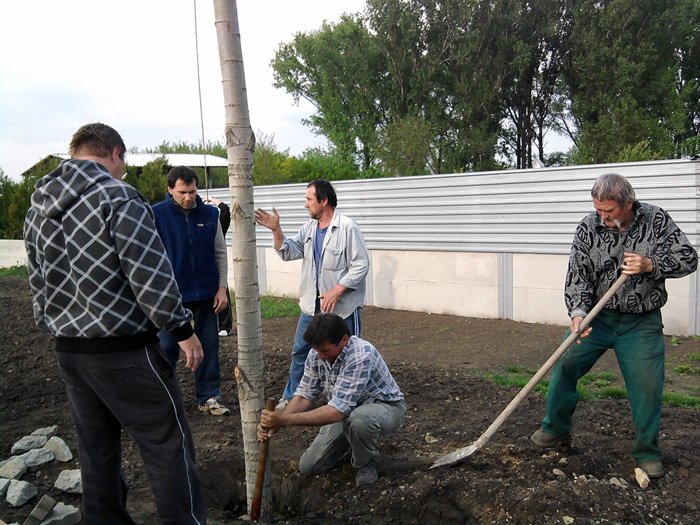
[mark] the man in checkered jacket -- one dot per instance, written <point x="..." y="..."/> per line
<point x="102" y="284"/>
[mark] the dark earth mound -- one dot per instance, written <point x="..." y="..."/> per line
<point x="439" y="362"/>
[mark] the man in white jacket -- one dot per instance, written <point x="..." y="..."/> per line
<point x="335" y="264"/>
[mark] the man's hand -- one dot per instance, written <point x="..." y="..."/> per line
<point x="331" y="297"/>
<point x="220" y="300"/>
<point x="265" y="219"/>
<point x="270" y="422"/>
<point x="634" y="264"/>
<point x="213" y="200"/>
<point x="193" y="351"/>
<point x="575" y="323"/>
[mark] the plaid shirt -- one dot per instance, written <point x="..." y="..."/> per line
<point x="358" y="376"/>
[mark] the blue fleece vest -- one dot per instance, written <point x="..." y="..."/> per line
<point x="190" y="241"/>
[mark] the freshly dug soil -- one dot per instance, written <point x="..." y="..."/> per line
<point x="439" y="362"/>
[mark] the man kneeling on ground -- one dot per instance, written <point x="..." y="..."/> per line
<point x="364" y="404"/>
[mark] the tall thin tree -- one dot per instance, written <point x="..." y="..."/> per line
<point x="240" y="145"/>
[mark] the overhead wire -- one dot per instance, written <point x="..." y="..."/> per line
<point x="201" y="112"/>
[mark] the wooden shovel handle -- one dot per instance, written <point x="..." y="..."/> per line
<point x="551" y="361"/>
<point x="260" y="477"/>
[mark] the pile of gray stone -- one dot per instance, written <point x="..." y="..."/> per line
<point x="41" y="447"/>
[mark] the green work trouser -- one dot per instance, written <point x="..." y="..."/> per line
<point x="639" y="346"/>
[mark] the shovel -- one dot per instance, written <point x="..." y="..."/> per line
<point x="260" y="478"/>
<point x="459" y="455"/>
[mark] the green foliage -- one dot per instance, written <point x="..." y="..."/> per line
<point x="150" y="180"/>
<point x="336" y="68"/>
<point x="619" y="77"/>
<point x="693" y="357"/>
<point x="406" y="147"/>
<point x="16" y="197"/>
<point x="17" y="271"/>
<point x="620" y="68"/>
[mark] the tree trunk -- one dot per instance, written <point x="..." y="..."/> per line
<point x="240" y="144"/>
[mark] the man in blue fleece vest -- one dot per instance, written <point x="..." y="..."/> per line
<point x="196" y="247"/>
<point x="102" y="284"/>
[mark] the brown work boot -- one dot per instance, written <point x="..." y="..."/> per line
<point x="546" y="440"/>
<point x="653" y="468"/>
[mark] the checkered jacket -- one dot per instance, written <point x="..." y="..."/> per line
<point x="97" y="267"/>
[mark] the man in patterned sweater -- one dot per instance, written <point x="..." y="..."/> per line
<point x="644" y="242"/>
<point x="102" y="284"/>
<point x="364" y="401"/>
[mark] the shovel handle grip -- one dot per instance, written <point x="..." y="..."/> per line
<point x="260" y="477"/>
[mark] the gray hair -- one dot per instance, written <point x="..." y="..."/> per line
<point x="613" y="187"/>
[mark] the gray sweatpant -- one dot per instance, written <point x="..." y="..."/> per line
<point x="356" y="434"/>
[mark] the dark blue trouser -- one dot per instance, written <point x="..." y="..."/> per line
<point x="136" y="391"/>
<point x="207" y="377"/>
<point x="639" y="345"/>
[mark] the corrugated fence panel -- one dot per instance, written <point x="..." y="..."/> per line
<point x="516" y="211"/>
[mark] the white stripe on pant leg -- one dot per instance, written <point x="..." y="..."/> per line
<point x="182" y="433"/>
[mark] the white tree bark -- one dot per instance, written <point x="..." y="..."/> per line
<point x="240" y="143"/>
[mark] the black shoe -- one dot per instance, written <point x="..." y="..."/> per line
<point x="367" y="474"/>
<point x="546" y="440"/>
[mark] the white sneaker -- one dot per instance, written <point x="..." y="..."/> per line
<point x="213" y="406"/>
<point x="282" y="404"/>
<point x="223" y="333"/>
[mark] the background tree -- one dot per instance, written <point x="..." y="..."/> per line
<point x="620" y="72"/>
<point x="16" y="197"/>
<point x="532" y="53"/>
<point x="217" y="177"/>
<point x="336" y="69"/>
<point x="150" y="179"/>
<point x="405" y="147"/>
<point x="686" y="21"/>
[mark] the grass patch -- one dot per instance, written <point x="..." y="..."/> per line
<point x="598" y="380"/>
<point x="271" y="306"/>
<point x="611" y="392"/>
<point x="693" y="357"/>
<point x="517" y="369"/>
<point x="19" y="271"/>
<point x="590" y="387"/>
<point x="673" y="399"/>
<point x="517" y="380"/>
<point x="686" y="370"/>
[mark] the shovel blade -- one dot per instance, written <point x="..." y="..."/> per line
<point x="457" y="456"/>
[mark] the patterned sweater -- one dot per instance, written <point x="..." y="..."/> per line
<point x="598" y="251"/>
<point x="97" y="267"/>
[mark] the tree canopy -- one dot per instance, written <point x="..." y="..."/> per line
<point x="416" y="86"/>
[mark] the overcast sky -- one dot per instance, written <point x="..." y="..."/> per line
<point x="132" y="65"/>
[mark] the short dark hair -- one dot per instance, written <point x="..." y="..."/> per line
<point x="613" y="187"/>
<point x="183" y="173"/>
<point x="96" y="139"/>
<point x="324" y="190"/>
<point x="324" y="328"/>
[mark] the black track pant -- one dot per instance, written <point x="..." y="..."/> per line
<point x="136" y="391"/>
